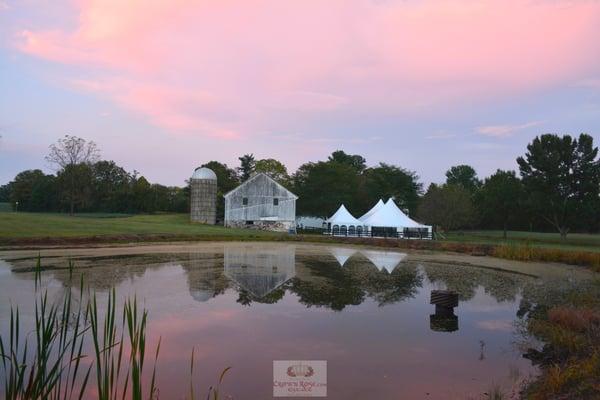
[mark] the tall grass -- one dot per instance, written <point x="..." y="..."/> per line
<point x="525" y="252"/>
<point x="54" y="366"/>
<point x="50" y="368"/>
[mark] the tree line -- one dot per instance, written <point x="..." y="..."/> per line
<point x="557" y="187"/>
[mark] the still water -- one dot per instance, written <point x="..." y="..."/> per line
<point x="366" y="312"/>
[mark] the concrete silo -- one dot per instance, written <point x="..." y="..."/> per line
<point x="203" y="196"/>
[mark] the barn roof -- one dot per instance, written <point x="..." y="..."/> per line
<point x="253" y="178"/>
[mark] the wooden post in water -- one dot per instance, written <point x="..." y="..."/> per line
<point x="444" y="319"/>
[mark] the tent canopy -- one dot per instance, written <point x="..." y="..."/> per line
<point x="343" y="217"/>
<point x="373" y="210"/>
<point x="389" y="215"/>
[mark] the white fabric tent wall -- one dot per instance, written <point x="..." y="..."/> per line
<point x="373" y="210"/>
<point x="343" y="217"/>
<point x="389" y="215"/>
<point x="342" y="223"/>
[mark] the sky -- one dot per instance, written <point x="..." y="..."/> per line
<point x="165" y="86"/>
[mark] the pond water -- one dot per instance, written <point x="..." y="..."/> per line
<point x="366" y="312"/>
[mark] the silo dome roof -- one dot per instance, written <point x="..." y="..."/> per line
<point x="204" y="173"/>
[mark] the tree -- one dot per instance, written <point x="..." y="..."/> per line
<point x="5" y="192"/>
<point x="562" y="178"/>
<point x="111" y="187"/>
<point x="463" y="175"/>
<point x="142" y="196"/>
<point x="448" y="206"/>
<point x="227" y="180"/>
<point x="275" y="169"/>
<point x="66" y="154"/>
<point x="500" y="199"/>
<point x="247" y="164"/>
<point x="33" y="190"/>
<point x="75" y="184"/>
<point x="389" y="181"/>
<point x="353" y="160"/>
<point x="323" y="186"/>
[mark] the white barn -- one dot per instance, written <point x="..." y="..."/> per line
<point x="261" y="203"/>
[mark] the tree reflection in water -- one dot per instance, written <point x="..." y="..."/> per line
<point x="334" y="278"/>
<point x="464" y="279"/>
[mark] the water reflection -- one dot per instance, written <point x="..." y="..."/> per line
<point x="464" y="279"/>
<point x="444" y="319"/>
<point x="205" y="277"/>
<point x="342" y="254"/>
<point x="384" y="260"/>
<point x="365" y="311"/>
<point x="258" y="273"/>
<point x="265" y="274"/>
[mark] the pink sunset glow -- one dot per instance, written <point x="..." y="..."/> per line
<point x="392" y="80"/>
<point x="223" y="66"/>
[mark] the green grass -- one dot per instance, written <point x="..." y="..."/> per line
<point x="58" y="229"/>
<point x="574" y="241"/>
<point x="39" y="225"/>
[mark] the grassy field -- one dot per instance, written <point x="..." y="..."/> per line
<point x="33" y="229"/>
<point x="37" y="225"/>
<point x="574" y="241"/>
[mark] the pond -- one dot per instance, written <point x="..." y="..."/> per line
<point x="365" y="311"/>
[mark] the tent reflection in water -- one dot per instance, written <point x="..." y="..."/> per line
<point x="386" y="261"/>
<point x="342" y="254"/>
<point x="383" y="220"/>
<point x="260" y="271"/>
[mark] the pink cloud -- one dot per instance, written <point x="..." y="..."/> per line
<point x="505" y="130"/>
<point x="227" y="68"/>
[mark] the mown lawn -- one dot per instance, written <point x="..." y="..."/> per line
<point x="38" y="225"/>
<point x="574" y="241"/>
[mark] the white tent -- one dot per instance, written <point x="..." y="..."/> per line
<point x="373" y="210"/>
<point x="342" y="223"/>
<point x="342" y="254"/>
<point x="384" y="260"/>
<point x="389" y="215"/>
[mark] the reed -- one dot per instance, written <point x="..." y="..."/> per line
<point x="50" y="368"/>
<point x="54" y="366"/>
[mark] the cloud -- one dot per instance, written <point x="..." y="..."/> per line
<point x="589" y="83"/>
<point x="500" y="131"/>
<point x="441" y="135"/>
<point x="229" y="69"/>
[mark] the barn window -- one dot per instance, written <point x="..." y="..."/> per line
<point x="245" y="201"/>
<point x="275" y="201"/>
